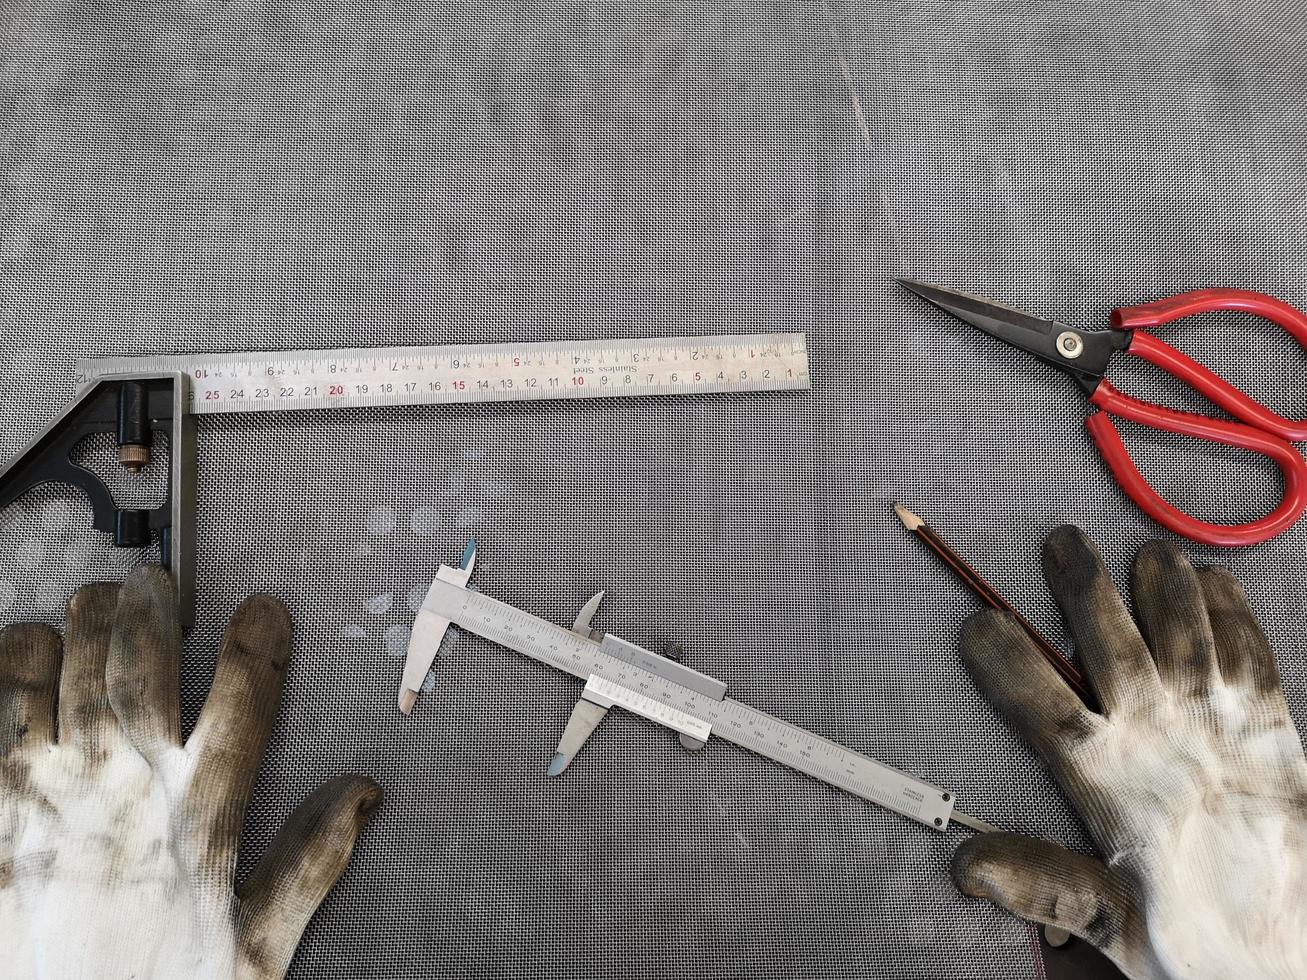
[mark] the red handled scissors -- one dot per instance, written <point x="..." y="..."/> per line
<point x="1085" y="354"/>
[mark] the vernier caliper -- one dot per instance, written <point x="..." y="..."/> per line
<point x="623" y="675"/>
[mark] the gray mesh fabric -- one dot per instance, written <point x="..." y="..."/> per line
<point x="204" y="176"/>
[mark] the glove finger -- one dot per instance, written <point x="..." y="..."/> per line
<point x="143" y="668"/>
<point x="1045" y="883"/>
<point x="305" y="859"/>
<point x="1243" y="653"/>
<point x="1116" y="659"/>
<point x="236" y="722"/>
<point x="29" y="677"/>
<point x="1173" y="617"/>
<point x="1022" y="685"/>
<point x="85" y="718"/>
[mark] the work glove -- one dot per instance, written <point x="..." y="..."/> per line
<point x="117" y="842"/>
<point x="1191" y="780"/>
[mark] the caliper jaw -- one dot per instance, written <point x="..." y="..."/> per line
<point x="429" y="631"/>
<point x="587" y="714"/>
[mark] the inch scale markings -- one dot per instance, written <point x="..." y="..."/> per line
<point x="356" y="378"/>
<point x="659" y="695"/>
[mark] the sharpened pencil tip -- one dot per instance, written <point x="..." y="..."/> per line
<point x="910" y="520"/>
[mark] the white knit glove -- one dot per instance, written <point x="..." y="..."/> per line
<point x="117" y="843"/>
<point x="1192" y="781"/>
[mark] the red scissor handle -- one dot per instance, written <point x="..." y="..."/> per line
<point x="1265" y="432"/>
<point x="1220" y="391"/>
<point x="1109" y="443"/>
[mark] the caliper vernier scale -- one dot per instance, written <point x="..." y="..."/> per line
<point x="621" y="674"/>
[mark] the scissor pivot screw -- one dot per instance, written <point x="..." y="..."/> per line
<point x="1069" y="344"/>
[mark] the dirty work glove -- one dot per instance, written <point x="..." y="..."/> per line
<point x="117" y="842"/>
<point x="1191" y="781"/>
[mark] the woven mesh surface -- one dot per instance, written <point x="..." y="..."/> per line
<point x="203" y="176"/>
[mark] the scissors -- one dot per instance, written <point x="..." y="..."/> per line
<point x="1085" y="355"/>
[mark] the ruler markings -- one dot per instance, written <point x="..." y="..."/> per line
<point x="607" y="694"/>
<point x="360" y="377"/>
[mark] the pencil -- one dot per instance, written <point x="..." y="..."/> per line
<point x="989" y="595"/>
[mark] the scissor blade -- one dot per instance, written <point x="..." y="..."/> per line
<point x="1030" y="333"/>
<point x="1082" y="353"/>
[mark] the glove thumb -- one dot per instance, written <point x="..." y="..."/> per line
<point x="302" y="863"/>
<point x="1046" y="883"/>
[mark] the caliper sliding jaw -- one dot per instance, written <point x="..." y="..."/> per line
<point x="132" y="407"/>
<point x="593" y="706"/>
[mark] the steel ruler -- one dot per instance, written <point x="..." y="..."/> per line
<point x="133" y="398"/>
<point x="620" y="674"/>
<point x="355" y="378"/>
